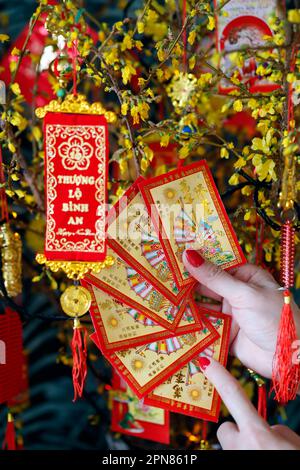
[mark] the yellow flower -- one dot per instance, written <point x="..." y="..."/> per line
<point x="144" y="109"/>
<point x="15" y="87"/>
<point x="294" y="16"/>
<point x="124" y="109"/>
<point x="148" y="153"/>
<point x="192" y="62"/>
<point x="204" y="79"/>
<point x="11" y="147"/>
<point x="127" y="73"/>
<point x="240" y="163"/>
<point x="135" y="114"/>
<point x="144" y="164"/>
<point x="164" y="141"/>
<point x="123" y="165"/>
<point x="36" y="132"/>
<point x="224" y="153"/>
<point x="126" y="43"/>
<point x="4" y="37"/>
<point x="247" y="215"/>
<point x="118" y="26"/>
<point x="192" y="37"/>
<point x="184" y="152"/>
<point x="111" y="57"/>
<point x="161" y="54"/>
<point x="140" y="27"/>
<point x="15" y="51"/>
<point x="211" y="23"/>
<point x="234" y="179"/>
<point x="238" y="106"/>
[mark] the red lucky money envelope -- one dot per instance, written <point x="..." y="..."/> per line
<point x="187" y="212"/>
<point x="144" y="368"/>
<point x="125" y="284"/>
<point x="131" y="235"/>
<point x="120" y="327"/>
<point x="188" y="391"/>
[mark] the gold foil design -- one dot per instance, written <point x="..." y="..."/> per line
<point x="76" y="104"/>
<point x="75" y="270"/>
<point x="11" y="255"/>
<point x="76" y="301"/>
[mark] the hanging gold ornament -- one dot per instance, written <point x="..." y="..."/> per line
<point x="181" y="88"/>
<point x="76" y="301"/>
<point x="11" y="257"/>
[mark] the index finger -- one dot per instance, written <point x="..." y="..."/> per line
<point x="232" y="394"/>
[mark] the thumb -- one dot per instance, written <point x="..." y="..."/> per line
<point x="232" y="394"/>
<point x="212" y="276"/>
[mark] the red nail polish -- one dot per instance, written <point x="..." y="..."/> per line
<point x="203" y="362"/>
<point x="194" y="258"/>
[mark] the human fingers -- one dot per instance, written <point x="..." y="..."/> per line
<point x="251" y="355"/>
<point x="287" y="433"/>
<point x="213" y="277"/>
<point x="206" y="292"/>
<point x="255" y="275"/>
<point x="232" y="394"/>
<point x="227" y="435"/>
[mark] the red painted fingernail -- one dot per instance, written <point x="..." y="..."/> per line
<point x="194" y="258"/>
<point x="203" y="362"/>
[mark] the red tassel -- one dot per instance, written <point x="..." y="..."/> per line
<point x="79" y="351"/>
<point x="262" y="401"/>
<point x="9" y="442"/>
<point x="286" y="374"/>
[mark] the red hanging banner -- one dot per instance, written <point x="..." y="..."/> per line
<point x="76" y="155"/>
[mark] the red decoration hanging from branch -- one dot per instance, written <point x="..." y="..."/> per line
<point x="11" y="356"/>
<point x="75" y="185"/>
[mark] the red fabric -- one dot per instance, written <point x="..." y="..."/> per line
<point x="76" y="146"/>
<point x="11" y="355"/>
<point x="286" y="374"/>
<point x="9" y="442"/>
<point x="262" y="401"/>
<point x="79" y="352"/>
<point x="147" y="430"/>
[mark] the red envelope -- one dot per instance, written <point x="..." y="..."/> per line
<point x="145" y="367"/>
<point x="187" y="212"/>
<point x="188" y="391"/>
<point x="132" y="236"/>
<point x="121" y="327"/>
<point x="126" y="285"/>
<point x="133" y="418"/>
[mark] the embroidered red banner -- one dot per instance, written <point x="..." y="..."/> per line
<point x="76" y="151"/>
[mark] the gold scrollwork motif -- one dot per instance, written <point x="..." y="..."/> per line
<point x="75" y="270"/>
<point x="76" y="104"/>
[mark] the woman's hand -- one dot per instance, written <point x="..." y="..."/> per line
<point x="250" y="294"/>
<point x="250" y="432"/>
